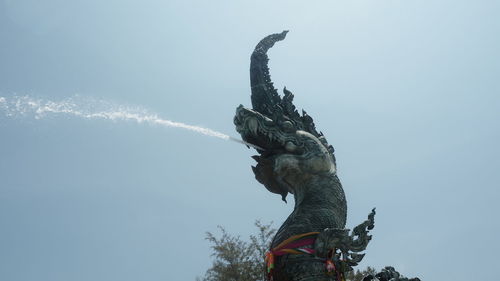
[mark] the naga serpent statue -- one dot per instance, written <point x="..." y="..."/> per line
<point x="312" y="244"/>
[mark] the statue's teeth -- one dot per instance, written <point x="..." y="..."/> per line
<point x="254" y="169"/>
<point x="252" y="126"/>
<point x="256" y="158"/>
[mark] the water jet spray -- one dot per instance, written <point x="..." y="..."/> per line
<point x="90" y="109"/>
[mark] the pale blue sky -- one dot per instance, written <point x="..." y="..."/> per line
<point x="406" y="91"/>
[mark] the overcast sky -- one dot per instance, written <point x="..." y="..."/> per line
<point x="407" y="91"/>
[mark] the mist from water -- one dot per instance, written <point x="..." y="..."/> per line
<point x="88" y="108"/>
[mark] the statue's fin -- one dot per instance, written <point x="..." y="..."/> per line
<point x="264" y="96"/>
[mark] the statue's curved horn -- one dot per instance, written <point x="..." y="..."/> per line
<point x="264" y="96"/>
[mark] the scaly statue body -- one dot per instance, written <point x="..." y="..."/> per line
<point x="296" y="159"/>
<point x="312" y="244"/>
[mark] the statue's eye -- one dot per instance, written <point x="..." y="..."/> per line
<point x="287" y="125"/>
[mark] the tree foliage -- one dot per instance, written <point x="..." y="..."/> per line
<point x="240" y="260"/>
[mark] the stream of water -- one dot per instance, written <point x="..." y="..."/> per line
<point x="87" y="108"/>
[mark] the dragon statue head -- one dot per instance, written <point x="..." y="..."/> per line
<point x="291" y="150"/>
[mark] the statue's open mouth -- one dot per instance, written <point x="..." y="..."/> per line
<point x="259" y="130"/>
